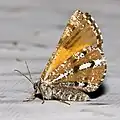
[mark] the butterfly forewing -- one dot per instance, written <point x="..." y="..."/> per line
<point x="79" y="33"/>
<point x="79" y="59"/>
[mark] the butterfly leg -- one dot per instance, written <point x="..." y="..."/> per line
<point x="31" y="98"/>
<point x="35" y="95"/>
<point x="64" y="102"/>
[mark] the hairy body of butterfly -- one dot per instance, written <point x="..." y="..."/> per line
<point x="78" y="66"/>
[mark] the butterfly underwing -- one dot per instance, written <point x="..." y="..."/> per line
<point x="78" y="65"/>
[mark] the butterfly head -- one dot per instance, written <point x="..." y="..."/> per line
<point x="42" y="90"/>
<point x="36" y="87"/>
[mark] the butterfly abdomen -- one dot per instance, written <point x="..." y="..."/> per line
<point x="64" y="94"/>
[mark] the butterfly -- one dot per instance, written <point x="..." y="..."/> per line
<point x="78" y="66"/>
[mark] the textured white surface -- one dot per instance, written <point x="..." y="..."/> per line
<point x="30" y="30"/>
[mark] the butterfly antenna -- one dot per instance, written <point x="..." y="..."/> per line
<point x="30" y="80"/>
<point x="28" y="70"/>
<point x="24" y="76"/>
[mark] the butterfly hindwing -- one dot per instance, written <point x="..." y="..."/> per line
<point x="84" y="70"/>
